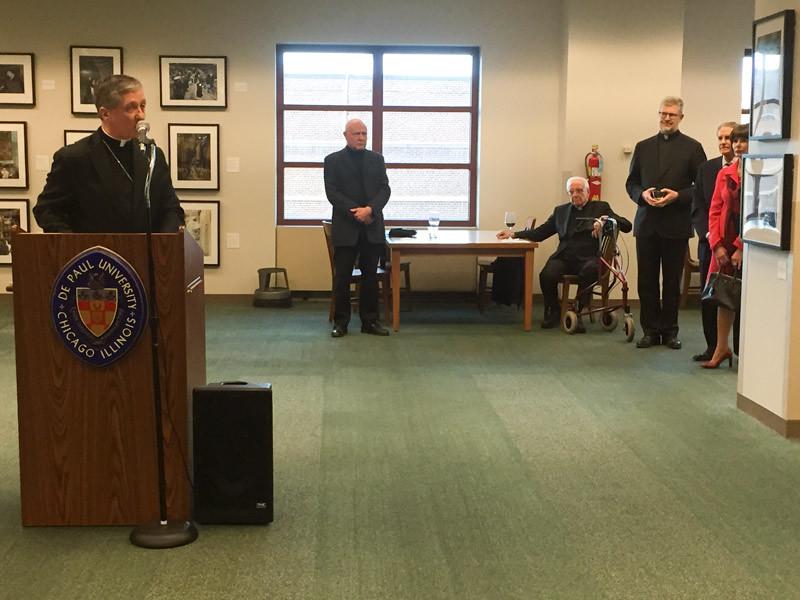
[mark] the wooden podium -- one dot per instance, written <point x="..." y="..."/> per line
<point x="87" y="442"/>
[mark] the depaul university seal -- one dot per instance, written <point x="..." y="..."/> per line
<point x="98" y="306"/>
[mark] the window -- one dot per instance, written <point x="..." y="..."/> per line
<point x="420" y="105"/>
<point x="747" y="85"/>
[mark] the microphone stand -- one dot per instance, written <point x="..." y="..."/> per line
<point x="163" y="533"/>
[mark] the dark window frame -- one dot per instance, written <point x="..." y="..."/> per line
<point x="748" y="53"/>
<point x="377" y="108"/>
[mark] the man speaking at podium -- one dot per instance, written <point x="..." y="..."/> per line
<point x="96" y="185"/>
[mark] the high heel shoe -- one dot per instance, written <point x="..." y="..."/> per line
<point x="713" y="364"/>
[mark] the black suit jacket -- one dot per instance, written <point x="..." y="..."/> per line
<point x="557" y="223"/>
<point x="677" y="173"/>
<point x="81" y="195"/>
<point x="703" y="191"/>
<point x="343" y="190"/>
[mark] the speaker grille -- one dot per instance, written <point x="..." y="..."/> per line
<point x="233" y="453"/>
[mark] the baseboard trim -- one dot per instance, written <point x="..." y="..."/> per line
<point x="786" y="428"/>
<point x="421" y="296"/>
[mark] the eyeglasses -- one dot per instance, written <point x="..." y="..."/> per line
<point x="666" y="115"/>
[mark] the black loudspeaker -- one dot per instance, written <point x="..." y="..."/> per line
<point x="233" y="453"/>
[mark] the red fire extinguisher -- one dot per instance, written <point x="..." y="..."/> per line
<point x="594" y="172"/>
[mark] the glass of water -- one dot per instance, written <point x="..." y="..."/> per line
<point x="433" y="226"/>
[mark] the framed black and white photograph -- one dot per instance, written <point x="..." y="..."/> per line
<point x="202" y="223"/>
<point x="17" y="80"/>
<point x="773" y="52"/>
<point x="88" y="66"/>
<point x="13" y="155"/>
<point x="194" y="156"/>
<point x="12" y="212"/>
<point x="766" y="214"/>
<point x="74" y="135"/>
<point x="193" y="81"/>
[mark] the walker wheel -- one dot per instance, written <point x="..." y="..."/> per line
<point x="630" y="328"/>
<point x="570" y="322"/>
<point x="609" y="320"/>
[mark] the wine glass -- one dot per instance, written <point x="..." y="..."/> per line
<point x="510" y="219"/>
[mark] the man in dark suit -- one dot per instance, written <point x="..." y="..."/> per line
<point x="660" y="181"/>
<point x="358" y="188"/>
<point x="577" y="224"/>
<point x="96" y="185"/>
<point x="701" y="202"/>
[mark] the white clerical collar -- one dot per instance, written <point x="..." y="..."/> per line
<point x="121" y="142"/>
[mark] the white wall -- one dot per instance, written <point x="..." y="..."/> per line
<point x="765" y="339"/>
<point x="769" y="371"/>
<point x="613" y="91"/>
<point x="555" y="79"/>
<point x="715" y="33"/>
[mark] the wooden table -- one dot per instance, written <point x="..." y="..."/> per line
<point x="461" y="241"/>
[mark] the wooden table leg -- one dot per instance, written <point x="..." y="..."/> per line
<point x="528" y="302"/>
<point x="395" y="260"/>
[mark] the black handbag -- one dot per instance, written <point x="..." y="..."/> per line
<point x="723" y="290"/>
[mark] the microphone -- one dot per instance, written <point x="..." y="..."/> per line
<point x="142" y="129"/>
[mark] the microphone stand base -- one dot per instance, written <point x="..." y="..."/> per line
<point x="163" y="534"/>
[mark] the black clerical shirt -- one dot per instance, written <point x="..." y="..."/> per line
<point x="580" y="243"/>
<point x="122" y="155"/>
<point x="357" y="161"/>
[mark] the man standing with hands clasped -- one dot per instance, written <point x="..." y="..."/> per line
<point x="660" y="181"/>
<point x="357" y="186"/>
<point x="703" y="191"/>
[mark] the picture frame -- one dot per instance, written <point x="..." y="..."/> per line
<point x="12" y="212"/>
<point x="13" y="155"/>
<point x="17" y="79"/>
<point x="766" y="213"/>
<point x="194" y="156"/>
<point x="74" y="135"/>
<point x="202" y="223"/>
<point x="771" y="87"/>
<point x="88" y="65"/>
<point x="193" y="81"/>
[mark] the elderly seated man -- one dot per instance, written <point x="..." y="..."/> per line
<point x="578" y="224"/>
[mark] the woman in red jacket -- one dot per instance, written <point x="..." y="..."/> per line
<point x="723" y="237"/>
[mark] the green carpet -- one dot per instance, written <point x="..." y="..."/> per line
<point x="459" y="458"/>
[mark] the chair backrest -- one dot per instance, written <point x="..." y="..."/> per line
<point x="326" y="229"/>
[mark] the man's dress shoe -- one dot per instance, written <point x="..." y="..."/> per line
<point x="672" y="342"/>
<point x="374" y="328"/>
<point x="647" y="340"/>
<point x="338" y="331"/>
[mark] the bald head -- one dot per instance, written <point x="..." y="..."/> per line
<point x="355" y="133"/>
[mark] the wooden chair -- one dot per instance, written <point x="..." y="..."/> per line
<point x="355" y="278"/>
<point x="690" y="265"/>
<point x="485" y="266"/>
<point x="405" y="271"/>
